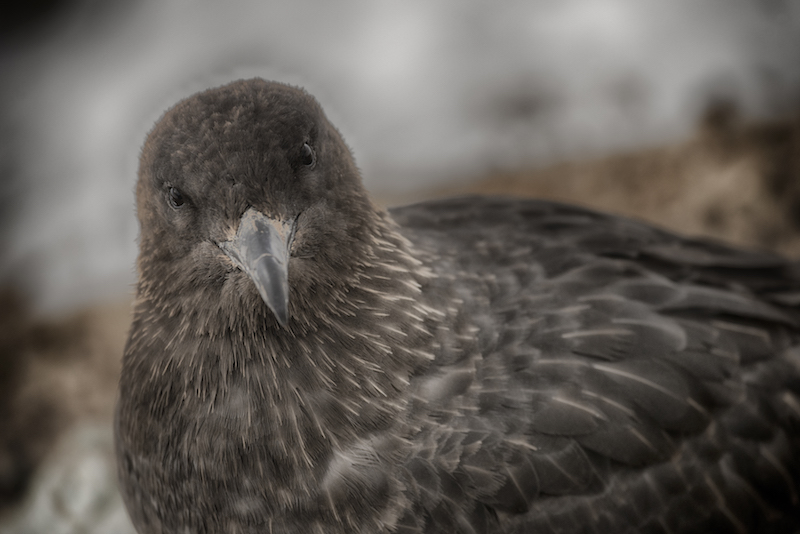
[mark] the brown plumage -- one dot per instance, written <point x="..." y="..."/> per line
<point x="303" y="361"/>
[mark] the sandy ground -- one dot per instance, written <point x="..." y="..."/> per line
<point x="53" y="374"/>
<point x="734" y="182"/>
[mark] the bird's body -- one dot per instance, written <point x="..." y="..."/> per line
<point x="472" y="365"/>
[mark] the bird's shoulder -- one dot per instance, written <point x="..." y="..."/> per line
<point x="508" y="221"/>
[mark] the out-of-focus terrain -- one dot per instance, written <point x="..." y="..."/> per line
<point x="733" y="181"/>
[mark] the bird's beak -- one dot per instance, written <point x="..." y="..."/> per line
<point x="261" y="249"/>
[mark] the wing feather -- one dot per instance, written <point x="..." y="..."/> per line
<point x="628" y="379"/>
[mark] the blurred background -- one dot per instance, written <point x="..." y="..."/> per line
<point x="681" y="112"/>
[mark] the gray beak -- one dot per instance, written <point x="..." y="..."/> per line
<point x="261" y="249"/>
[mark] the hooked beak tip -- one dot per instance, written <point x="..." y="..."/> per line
<point x="261" y="249"/>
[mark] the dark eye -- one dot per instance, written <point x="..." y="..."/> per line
<point x="176" y="198"/>
<point x="307" y="155"/>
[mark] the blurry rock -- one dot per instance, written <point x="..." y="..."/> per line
<point x="74" y="490"/>
<point x="731" y="181"/>
<point x="13" y="466"/>
<point x="53" y="373"/>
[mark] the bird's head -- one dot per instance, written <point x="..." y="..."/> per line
<point x="248" y="189"/>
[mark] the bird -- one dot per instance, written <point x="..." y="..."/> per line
<point x="303" y="360"/>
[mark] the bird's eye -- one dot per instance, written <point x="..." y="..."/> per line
<point x="307" y="155"/>
<point x="176" y="198"/>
